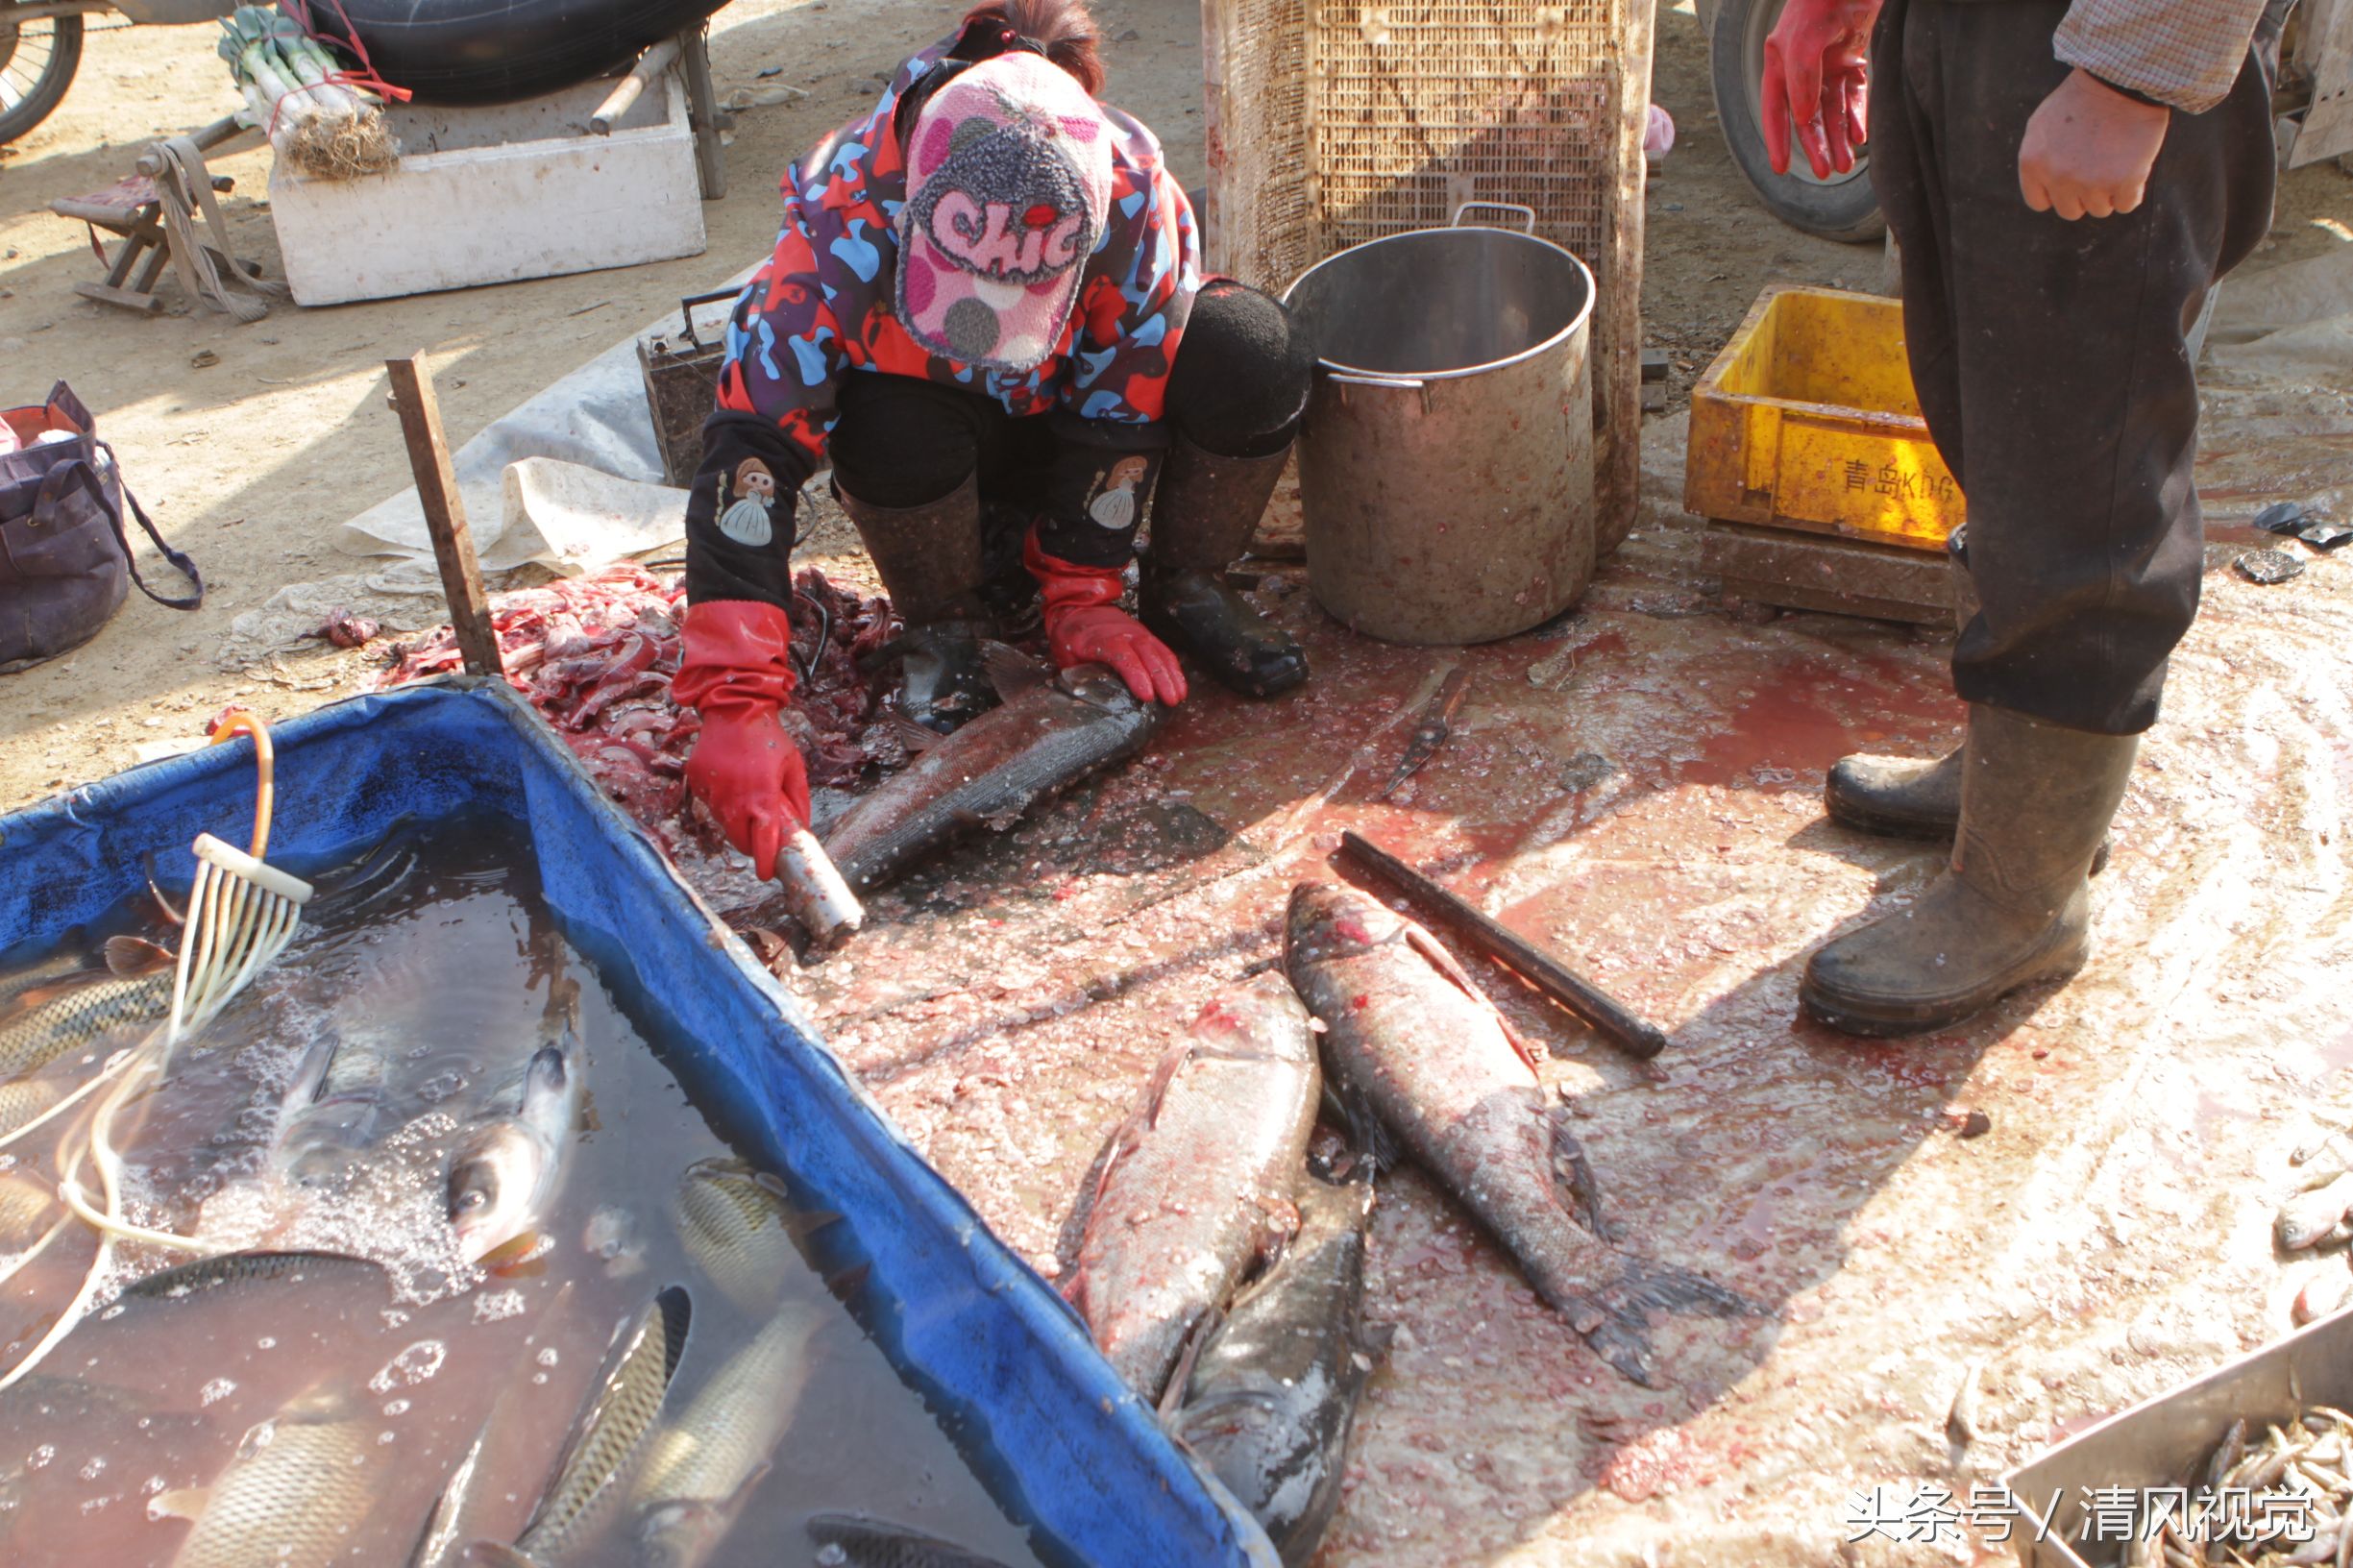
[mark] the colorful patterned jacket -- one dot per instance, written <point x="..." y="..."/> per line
<point x="821" y="306"/>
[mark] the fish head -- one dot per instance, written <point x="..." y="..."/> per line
<point x="680" y="1533"/>
<point x="494" y="1179"/>
<point x="1328" y="919"/>
<point x="1098" y="685"/>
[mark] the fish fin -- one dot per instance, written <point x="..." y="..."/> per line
<point x="1164" y="1074"/>
<point x="1574" y="1176"/>
<point x="1372" y="1149"/>
<point x="800" y="1225"/>
<point x="1172" y="1393"/>
<point x="509" y="1253"/>
<point x="550" y="1065"/>
<point x="498" y="1554"/>
<point x="750" y="1483"/>
<point x="915" y="737"/>
<point x="1447" y="965"/>
<point x="1620" y="1336"/>
<point x="1648" y="1285"/>
<point x="131" y="957"/>
<point x="1011" y="671"/>
<point x="179" y="1503"/>
<point x="849" y="1283"/>
<point x="155" y="890"/>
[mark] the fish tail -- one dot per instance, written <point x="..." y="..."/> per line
<point x="1621" y="1336"/>
<point x="1679" y="1290"/>
<point x="1615" y="1320"/>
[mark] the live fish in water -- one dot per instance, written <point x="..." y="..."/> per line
<point x="608" y="1439"/>
<point x="46" y="1021"/>
<point x="1196" y="1185"/>
<point x="506" y="1168"/>
<point x="300" y="1484"/>
<point x="1049" y="733"/>
<point x="737" y="1229"/>
<point x="701" y="1468"/>
<point x="1273" y="1391"/>
<point x="1409" y="1041"/>
<point x="332" y="1110"/>
<point x="846" y="1541"/>
<point x="240" y="1270"/>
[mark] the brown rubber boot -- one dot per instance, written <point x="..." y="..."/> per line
<point x="930" y="561"/>
<point x="2014" y="908"/>
<point x="1203" y="514"/>
<point x="1905" y="797"/>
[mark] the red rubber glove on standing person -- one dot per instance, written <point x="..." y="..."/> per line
<point x="737" y="672"/>
<point x="1083" y="625"/>
<point x="1817" y="76"/>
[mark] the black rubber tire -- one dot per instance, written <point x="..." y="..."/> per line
<point x="48" y="90"/>
<point x="495" y="51"/>
<point x="1842" y="208"/>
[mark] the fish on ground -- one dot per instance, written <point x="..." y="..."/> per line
<point x="1272" y="1395"/>
<point x="847" y="1540"/>
<point x="736" y="1226"/>
<point x="1049" y="732"/>
<point x="608" y="1439"/>
<point x="2315" y="1215"/>
<point x="701" y="1469"/>
<point x="507" y="1166"/>
<point x="46" y="1021"/>
<point x="1411" y="1044"/>
<point x="1196" y="1185"/>
<point x="301" y="1485"/>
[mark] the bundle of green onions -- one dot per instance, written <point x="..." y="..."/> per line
<point x="292" y="91"/>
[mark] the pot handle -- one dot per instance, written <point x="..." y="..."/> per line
<point x="1389" y="383"/>
<point x="1527" y="215"/>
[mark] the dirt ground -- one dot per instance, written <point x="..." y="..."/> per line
<point x="249" y="443"/>
<point x="2106" y="1237"/>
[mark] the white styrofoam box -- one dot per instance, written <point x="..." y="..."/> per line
<point x="496" y="194"/>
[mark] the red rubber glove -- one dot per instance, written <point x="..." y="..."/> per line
<point x="1817" y="73"/>
<point x="737" y="672"/>
<point x="1083" y="625"/>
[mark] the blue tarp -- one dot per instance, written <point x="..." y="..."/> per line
<point x="1046" y="1421"/>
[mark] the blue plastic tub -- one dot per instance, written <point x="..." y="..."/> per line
<point x="1041" y="1416"/>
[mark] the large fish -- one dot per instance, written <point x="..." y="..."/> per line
<point x="333" y="1109"/>
<point x="237" y="1270"/>
<point x="608" y="1439"/>
<point x="1196" y="1185"/>
<point x="1049" y="733"/>
<point x="701" y="1469"/>
<point x="46" y="1021"/>
<point x="300" y="1488"/>
<point x="847" y="1540"/>
<point x="1409" y="1041"/>
<point x="1273" y="1390"/>
<point x="738" y="1229"/>
<point x="506" y="1168"/>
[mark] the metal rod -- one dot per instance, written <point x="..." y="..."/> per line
<point x="631" y="88"/>
<point x="445" y="516"/>
<point x="1602" y="1013"/>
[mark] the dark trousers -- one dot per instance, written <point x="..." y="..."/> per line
<point x="2050" y="357"/>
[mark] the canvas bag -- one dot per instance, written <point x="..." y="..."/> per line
<point x="65" y="563"/>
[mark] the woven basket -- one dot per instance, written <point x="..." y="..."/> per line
<point x="1332" y="122"/>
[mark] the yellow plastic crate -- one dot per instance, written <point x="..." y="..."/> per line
<point x="1808" y="420"/>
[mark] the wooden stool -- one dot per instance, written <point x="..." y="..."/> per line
<point x="133" y="208"/>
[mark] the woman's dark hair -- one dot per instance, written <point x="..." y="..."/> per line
<point x="1060" y="30"/>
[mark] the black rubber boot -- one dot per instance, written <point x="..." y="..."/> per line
<point x="929" y="560"/>
<point x="2014" y="908"/>
<point x="1203" y="515"/>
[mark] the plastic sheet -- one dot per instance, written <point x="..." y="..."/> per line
<point x="1065" y="1446"/>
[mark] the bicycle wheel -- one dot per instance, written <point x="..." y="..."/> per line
<point x="37" y="59"/>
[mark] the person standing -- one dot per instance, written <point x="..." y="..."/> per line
<point x="2066" y="181"/>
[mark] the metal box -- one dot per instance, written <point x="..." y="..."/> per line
<point x="2161" y="1441"/>
<point x="1808" y="420"/>
<point x="496" y="194"/>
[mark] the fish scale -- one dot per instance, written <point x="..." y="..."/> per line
<point x="41" y="1033"/>
<point x="1409" y="1041"/>
<point x="1198" y="1181"/>
<point x="994" y="768"/>
<point x="733" y="1222"/>
<point x="295" y="1494"/>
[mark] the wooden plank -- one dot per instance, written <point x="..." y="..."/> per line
<point x="704" y="113"/>
<point x="145" y="302"/>
<point x="2328" y="125"/>
<point x="445" y="516"/>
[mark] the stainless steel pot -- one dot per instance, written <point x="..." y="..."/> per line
<point x="1446" y="466"/>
